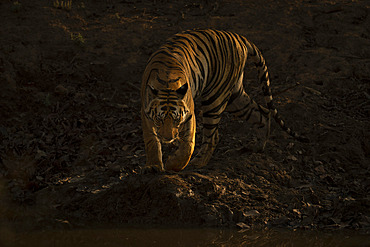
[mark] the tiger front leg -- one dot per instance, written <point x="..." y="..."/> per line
<point x="180" y="159"/>
<point x="153" y="156"/>
<point x="153" y="148"/>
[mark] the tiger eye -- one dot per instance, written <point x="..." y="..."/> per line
<point x="183" y="89"/>
<point x="153" y="90"/>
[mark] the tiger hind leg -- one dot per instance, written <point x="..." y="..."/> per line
<point x="211" y="119"/>
<point x="245" y="108"/>
<point x="205" y="153"/>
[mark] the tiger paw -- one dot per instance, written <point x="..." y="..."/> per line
<point x="197" y="163"/>
<point x="151" y="169"/>
<point x="172" y="165"/>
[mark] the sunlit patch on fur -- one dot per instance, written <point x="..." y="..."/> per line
<point x="168" y="142"/>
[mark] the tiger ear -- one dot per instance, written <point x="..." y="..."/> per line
<point x="153" y="90"/>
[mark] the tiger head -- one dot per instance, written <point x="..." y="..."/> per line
<point x="167" y="97"/>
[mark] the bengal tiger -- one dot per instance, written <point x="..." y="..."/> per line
<point x="206" y="65"/>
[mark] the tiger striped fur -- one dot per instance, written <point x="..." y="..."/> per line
<point x="206" y="64"/>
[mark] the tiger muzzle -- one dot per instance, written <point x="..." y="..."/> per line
<point x="168" y="132"/>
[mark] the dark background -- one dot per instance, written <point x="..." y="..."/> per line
<point x="70" y="136"/>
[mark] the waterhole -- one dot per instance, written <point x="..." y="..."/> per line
<point x="139" y="236"/>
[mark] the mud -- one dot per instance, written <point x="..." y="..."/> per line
<point x="71" y="149"/>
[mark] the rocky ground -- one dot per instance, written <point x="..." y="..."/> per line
<point x="71" y="146"/>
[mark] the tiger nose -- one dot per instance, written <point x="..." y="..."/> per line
<point x="167" y="108"/>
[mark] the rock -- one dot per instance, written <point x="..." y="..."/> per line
<point x="210" y="219"/>
<point x="251" y="213"/>
<point x="60" y="90"/>
<point x="292" y="158"/>
<point x="242" y="225"/>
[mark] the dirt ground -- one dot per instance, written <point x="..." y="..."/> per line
<point x="71" y="147"/>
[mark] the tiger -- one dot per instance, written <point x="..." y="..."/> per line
<point x="205" y="65"/>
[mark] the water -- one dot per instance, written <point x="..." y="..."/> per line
<point x="137" y="237"/>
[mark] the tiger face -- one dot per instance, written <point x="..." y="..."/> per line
<point x="167" y="107"/>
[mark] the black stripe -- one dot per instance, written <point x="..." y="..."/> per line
<point x="241" y="109"/>
<point x="211" y="115"/>
<point x="168" y="102"/>
<point x="210" y="136"/>
<point x="220" y="91"/>
<point x="188" y="119"/>
<point x="206" y="56"/>
<point x="212" y="57"/>
<point x="236" y="95"/>
<point x="164" y="64"/>
<point x="209" y="126"/>
<point x="247" y="114"/>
